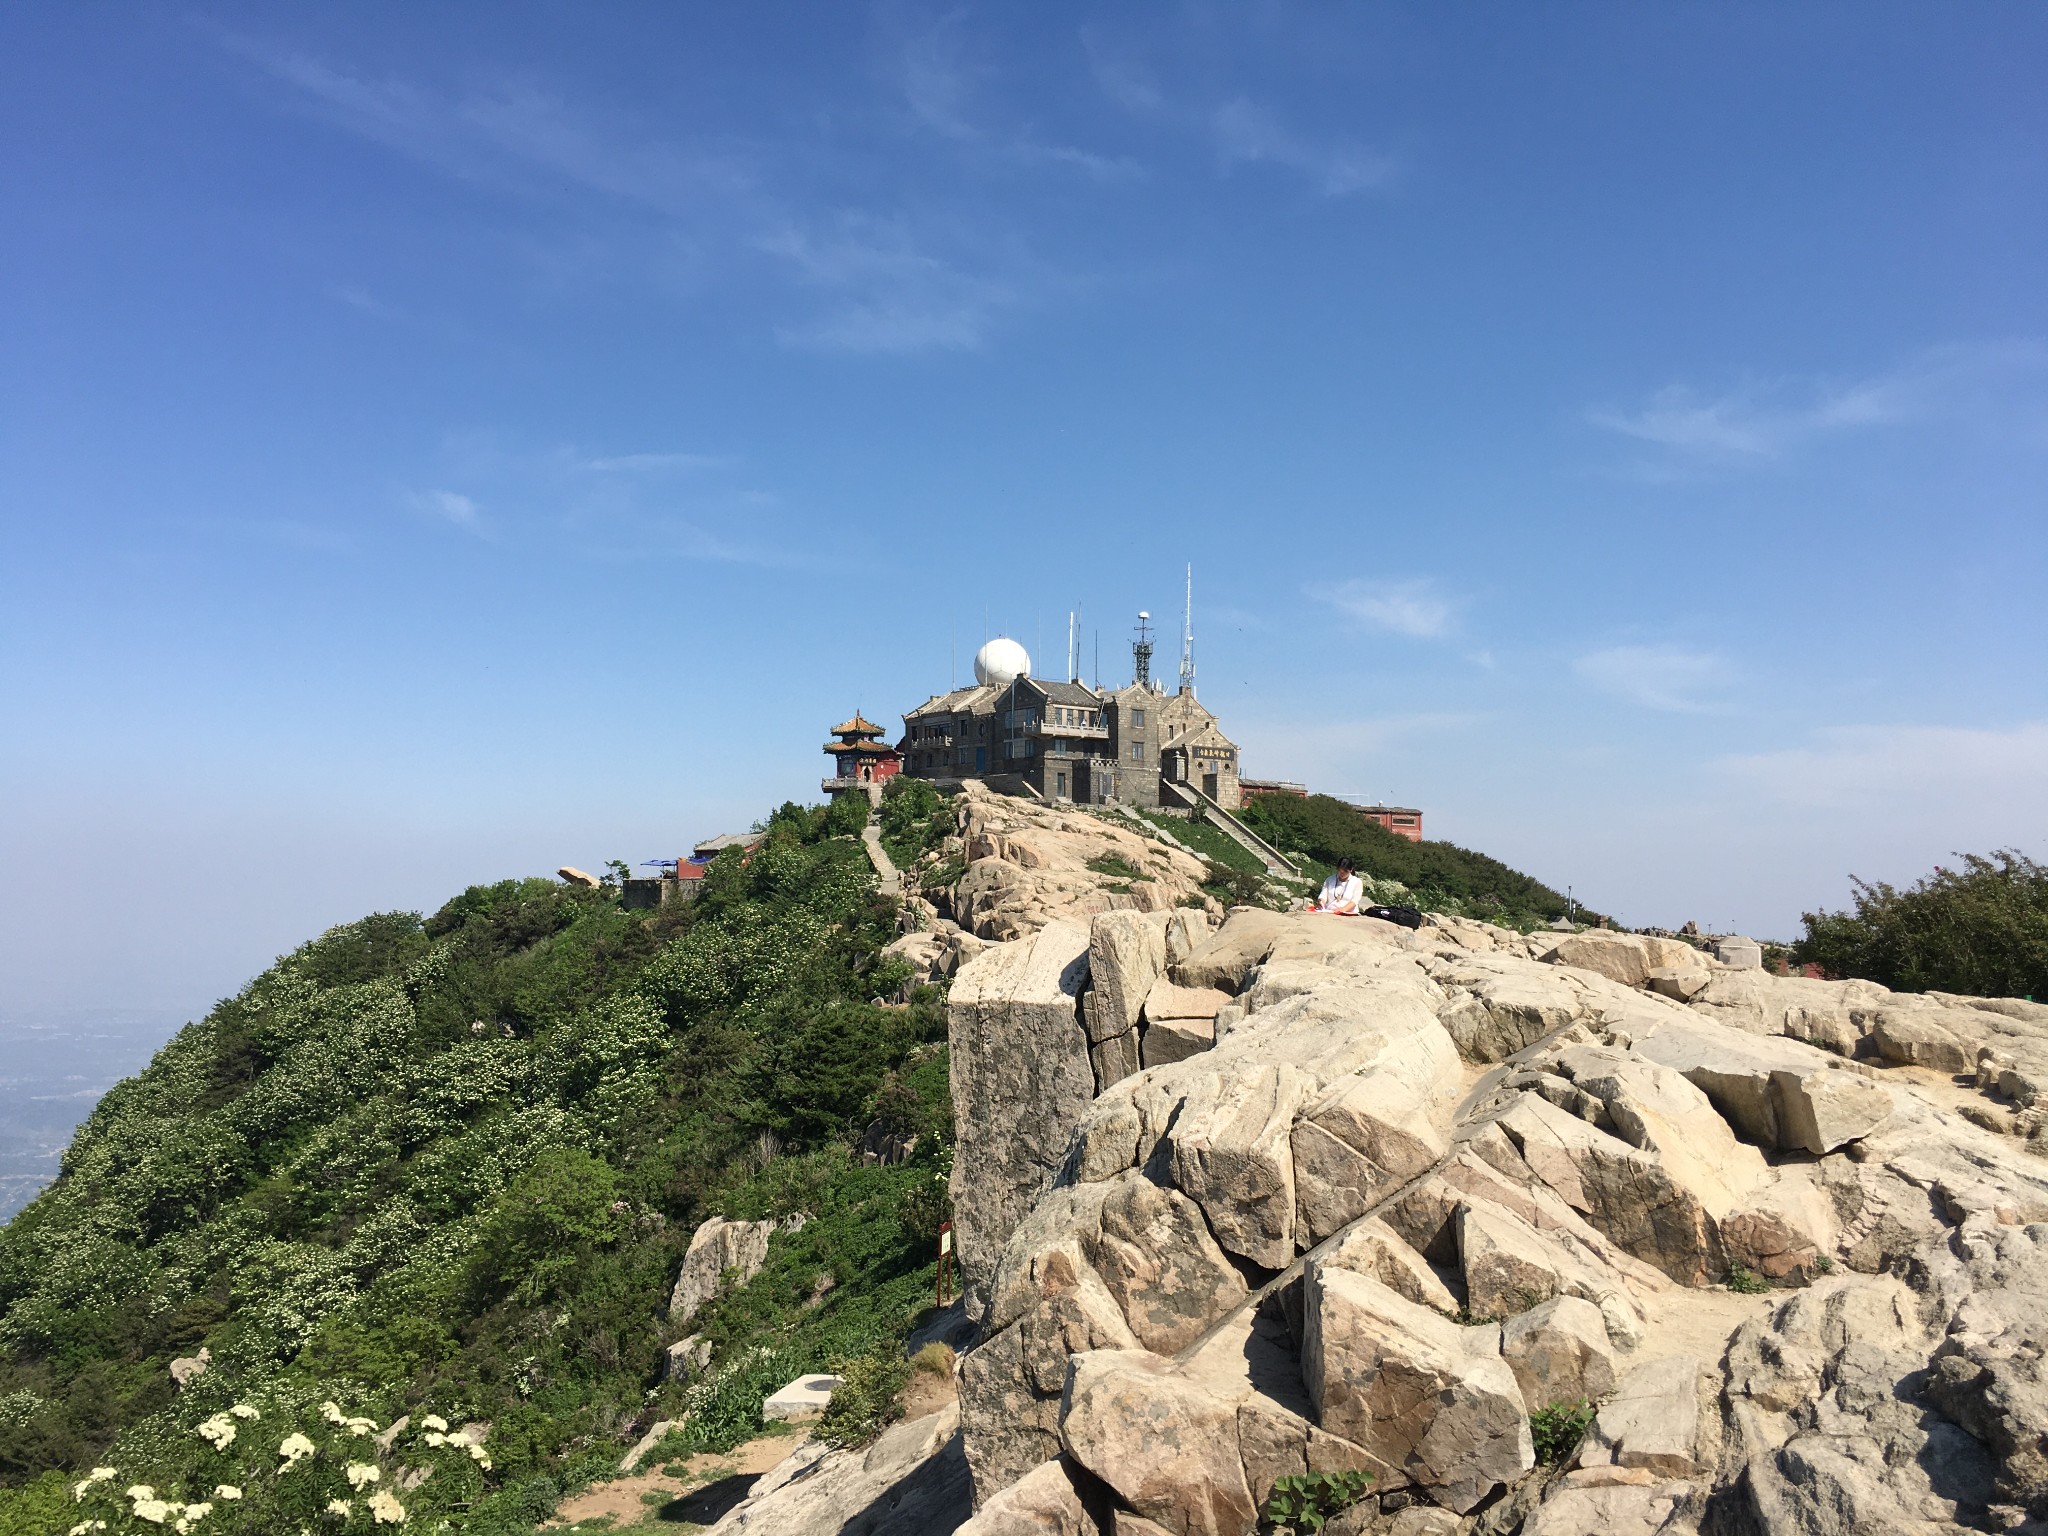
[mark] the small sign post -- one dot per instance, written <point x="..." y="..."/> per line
<point x="945" y="1258"/>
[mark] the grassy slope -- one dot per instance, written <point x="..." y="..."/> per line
<point x="449" y="1166"/>
<point x="1442" y="876"/>
<point x="1209" y="843"/>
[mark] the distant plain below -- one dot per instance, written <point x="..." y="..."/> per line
<point x="54" y="1065"/>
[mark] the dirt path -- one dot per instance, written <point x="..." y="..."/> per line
<point x="709" y="1487"/>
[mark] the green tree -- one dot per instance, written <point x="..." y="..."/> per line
<point x="1981" y="929"/>
<point x="547" y="1223"/>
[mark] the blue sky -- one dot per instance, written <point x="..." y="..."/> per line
<point x="438" y="443"/>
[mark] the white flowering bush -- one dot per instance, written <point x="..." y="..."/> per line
<point x="338" y="1472"/>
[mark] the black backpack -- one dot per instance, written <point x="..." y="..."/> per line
<point x="1407" y="917"/>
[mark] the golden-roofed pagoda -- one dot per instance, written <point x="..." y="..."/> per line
<point x="859" y="757"/>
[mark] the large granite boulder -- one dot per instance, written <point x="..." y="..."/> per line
<point x="1225" y="958"/>
<point x="1359" y="1139"/>
<point x="1623" y="1191"/>
<point x="1021" y="1078"/>
<point x="721" y="1253"/>
<point x="1652" y="1421"/>
<point x="1430" y="1402"/>
<point x="1165" y="1443"/>
<point x="1626" y="958"/>
<point x="1049" y="1500"/>
<point x="1559" y="1352"/>
<point x="1231" y="1152"/>
<point x="1776" y="1092"/>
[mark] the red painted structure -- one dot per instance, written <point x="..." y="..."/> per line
<point x="1401" y="820"/>
<point x="859" y="756"/>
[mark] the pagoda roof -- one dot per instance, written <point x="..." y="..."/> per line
<point x="879" y="748"/>
<point x="857" y="726"/>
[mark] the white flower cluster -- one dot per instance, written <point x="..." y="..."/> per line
<point x="385" y="1508"/>
<point x="332" y="1413"/>
<point x="97" y="1475"/>
<point x="294" y="1448"/>
<point x="145" y="1505"/>
<point x="439" y="1437"/>
<point x="360" y="1474"/>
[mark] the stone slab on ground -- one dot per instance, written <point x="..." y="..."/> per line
<point x="804" y="1398"/>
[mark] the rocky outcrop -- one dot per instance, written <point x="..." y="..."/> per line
<point x="1126" y="956"/>
<point x="1029" y="865"/>
<point x="1021" y="1065"/>
<point x="1419" y="1185"/>
<point x="910" y="1482"/>
<point x="722" y="1254"/>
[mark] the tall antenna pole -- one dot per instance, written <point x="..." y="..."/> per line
<point x="1187" y="639"/>
<point x="1141" y="652"/>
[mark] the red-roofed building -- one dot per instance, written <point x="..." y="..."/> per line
<point x="859" y="756"/>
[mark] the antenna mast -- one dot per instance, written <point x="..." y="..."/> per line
<point x="1187" y="639"/>
<point x="1141" y="652"/>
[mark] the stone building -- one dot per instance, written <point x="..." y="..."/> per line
<point x="1070" y="742"/>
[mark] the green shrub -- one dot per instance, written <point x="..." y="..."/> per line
<point x="867" y="1400"/>
<point x="1116" y="866"/>
<point x="1558" y="1428"/>
<point x="1304" y="1501"/>
<point x="1237" y="888"/>
<point x="935" y="1359"/>
<point x="547" y="1223"/>
<point x="915" y="818"/>
<point x="847" y="816"/>
<point x="1981" y="930"/>
<point x="1745" y="1281"/>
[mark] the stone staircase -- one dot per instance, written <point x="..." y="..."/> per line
<point x="1203" y="808"/>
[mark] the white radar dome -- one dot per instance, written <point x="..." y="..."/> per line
<point x="1001" y="662"/>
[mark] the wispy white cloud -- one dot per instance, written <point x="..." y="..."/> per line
<point x="897" y="283"/>
<point x="502" y="131"/>
<point x="453" y="506"/>
<point x="649" y="463"/>
<point x="1666" y="677"/>
<point x="887" y="294"/>
<point x="1413" y="606"/>
<point x="930" y="66"/>
<point x="1956" y="771"/>
<point x="1239" y="130"/>
<point x="1370" y="759"/>
<point x="363" y="301"/>
<point x="1767" y="418"/>
<point x="1121" y="77"/>
<point x="1249" y="134"/>
<point x="652" y="505"/>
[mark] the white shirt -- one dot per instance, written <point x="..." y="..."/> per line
<point x="1340" y="894"/>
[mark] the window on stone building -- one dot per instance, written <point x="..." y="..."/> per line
<point x="1137" y="751"/>
<point x="1137" y="719"/>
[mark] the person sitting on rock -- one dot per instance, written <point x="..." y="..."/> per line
<point x="1341" y="892"/>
